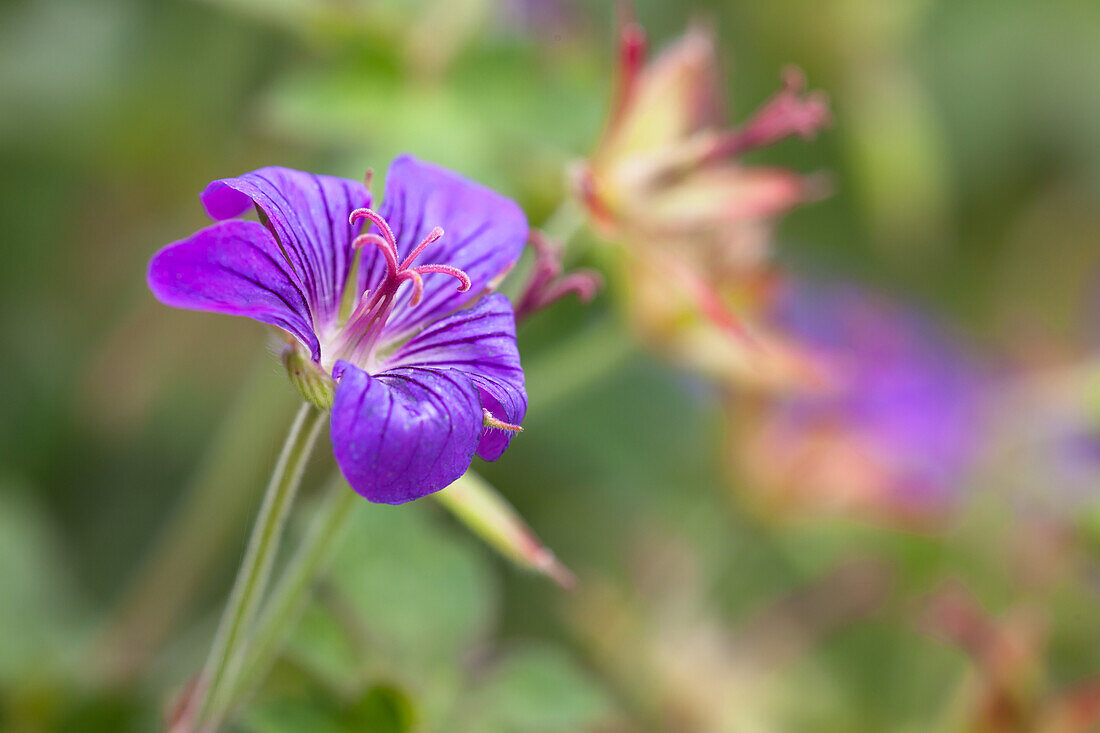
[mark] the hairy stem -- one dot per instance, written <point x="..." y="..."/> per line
<point x="223" y="664"/>
<point x="294" y="588"/>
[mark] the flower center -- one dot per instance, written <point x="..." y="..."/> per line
<point x="364" y="326"/>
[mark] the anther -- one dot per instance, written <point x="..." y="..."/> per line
<point x="433" y="235"/>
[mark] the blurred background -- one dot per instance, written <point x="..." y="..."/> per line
<point x="963" y="162"/>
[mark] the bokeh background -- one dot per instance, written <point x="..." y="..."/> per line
<point x="964" y="160"/>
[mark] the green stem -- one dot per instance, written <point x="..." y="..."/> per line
<point x="289" y="597"/>
<point x="564" y="222"/>
<point x="222" y="666"/>
<point x="553" y="378"/>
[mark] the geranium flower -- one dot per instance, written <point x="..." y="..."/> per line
<point x="667" y="172"/>
<point x="894" y="433"/>
<point x="418" y="363"/>
<point x="693" y="223"/>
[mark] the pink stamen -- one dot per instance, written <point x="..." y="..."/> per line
<point x="418" y="285"/>
<point x="366" y="300"/>
<point x="463" y="279"/>
<point x="387" y="249"/>
<point x="432" y="236"/>
<point x="789" y="112"/>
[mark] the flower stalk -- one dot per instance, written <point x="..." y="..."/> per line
<point x="292" y="591"/>
<point x="471" y="499"/>
<point x="223" y="665"/>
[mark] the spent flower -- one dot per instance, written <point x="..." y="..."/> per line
<point x="667" y="171"/>
<point x="417" y="360"/>
<point x="693" y="223"/>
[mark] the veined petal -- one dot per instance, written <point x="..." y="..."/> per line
<point x="404" y="433"/>
<point x="233" y="267"/>
<point x="308" y="214"/>
<point x="484" y="235"/>
<point x="480" y="342"/>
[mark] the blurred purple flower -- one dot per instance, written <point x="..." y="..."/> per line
<point x="426" y="375"/>
<point x="550" y="20"/>
<point x="899" y="427"/>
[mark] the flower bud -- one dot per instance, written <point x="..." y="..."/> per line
<point x="478" y="505"/>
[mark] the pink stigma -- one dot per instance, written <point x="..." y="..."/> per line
<point x="398" y="272"/>
<point x="364" y="326"/>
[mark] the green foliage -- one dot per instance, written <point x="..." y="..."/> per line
<point x="965" y="160"/>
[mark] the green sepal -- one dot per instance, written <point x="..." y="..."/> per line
<point x="308" y="378"/>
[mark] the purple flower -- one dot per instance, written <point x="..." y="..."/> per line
<point x="426" y="374"/>
<point x="900" y="426"/>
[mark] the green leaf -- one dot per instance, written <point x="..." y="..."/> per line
<point x="383" y="709"/>
<point x="40" y="608"/>
<point x="293" y="716"/>
<point x="406" y="599"/>
<point x="423" y="591"/>
<point x="537" y="689"/>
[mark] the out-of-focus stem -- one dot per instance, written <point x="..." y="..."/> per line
<point x="564" y="222"/>
<point x="294" y="588"/>
<point x="601" y="348"/>
<point x="223" y="664"/>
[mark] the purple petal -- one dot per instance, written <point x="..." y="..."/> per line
<point x="236" y="268"/>
<point x="484" y="234"/>
<point x="308" y="214"/>
<point x="404" y="433"/>
<point x="480" y="342"/>
<point x="912" y="390"/>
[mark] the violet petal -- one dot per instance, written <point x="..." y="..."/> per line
<point x="236" y="268"/>
<point x="404" y="433"/>
<point x="480" y="342"/>
<point x="308" y="214"/>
